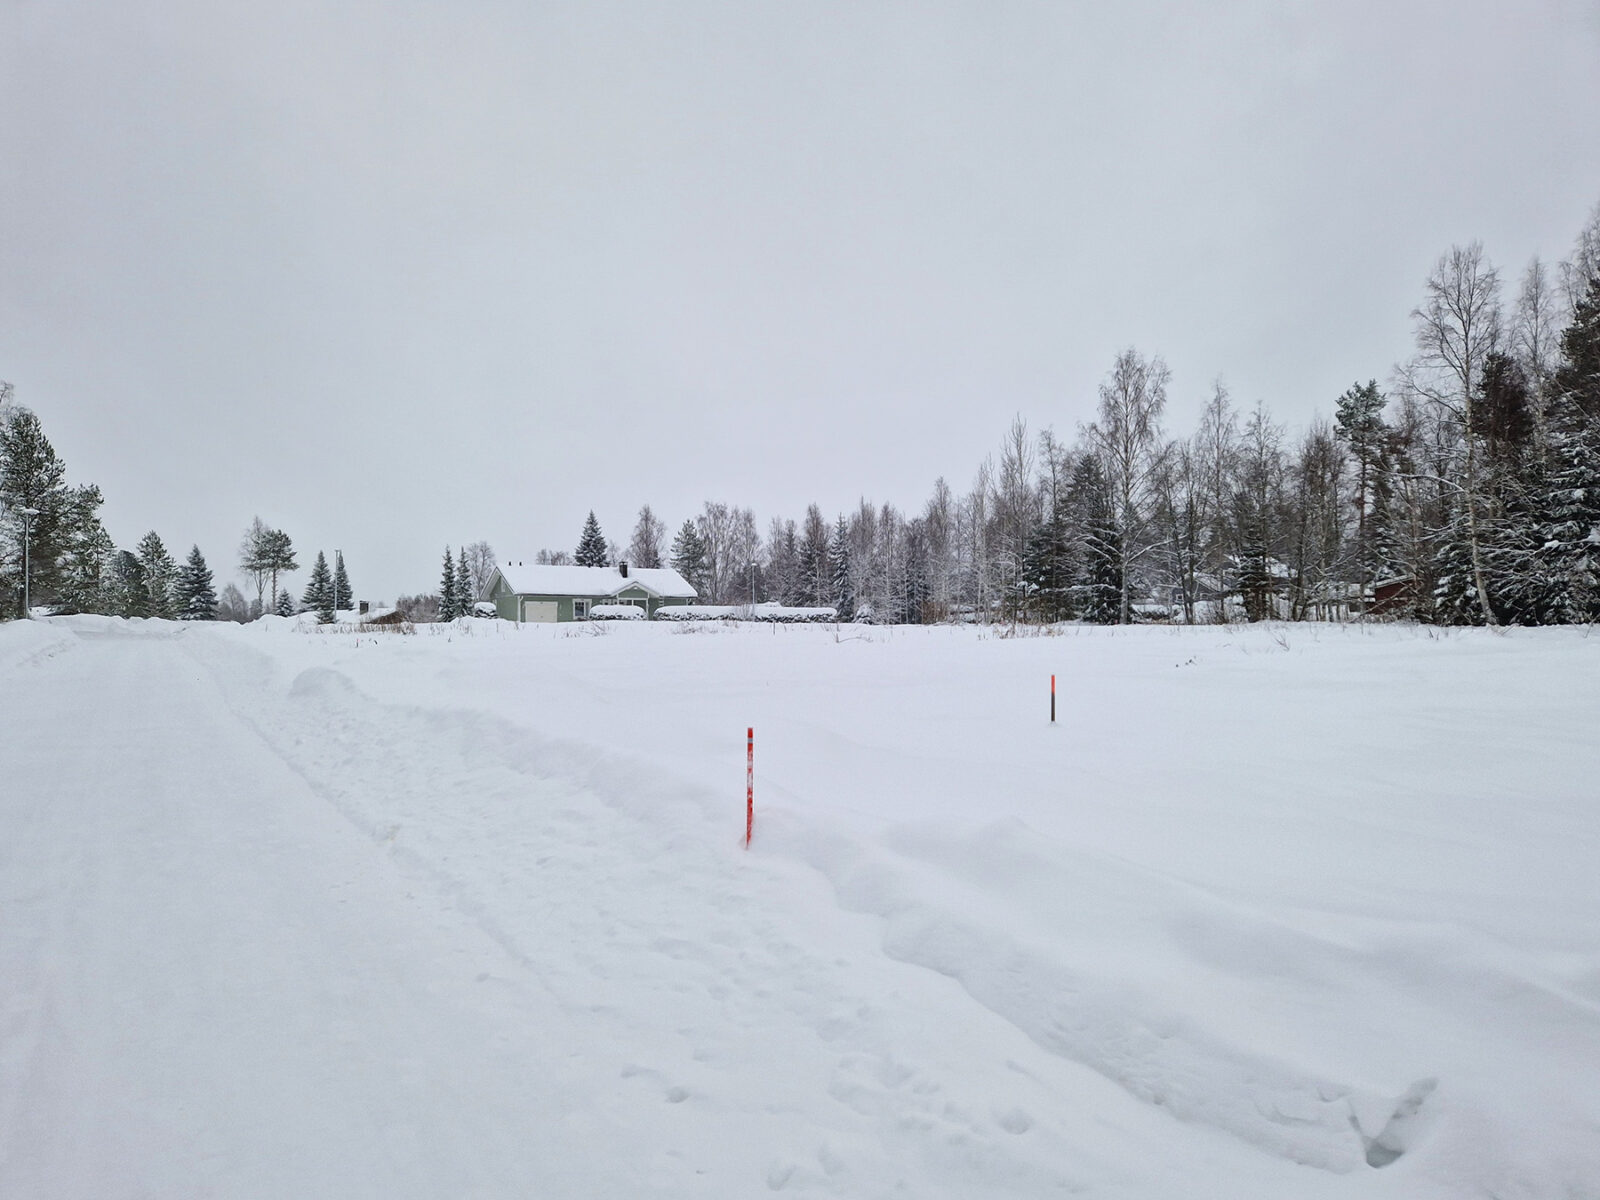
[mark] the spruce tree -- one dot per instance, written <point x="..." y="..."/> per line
<point x="1568" y="530"/>
<point x="129" y="596"/>
<point x="591" y="545"/>
<point x="448" y="609"/>
<point x="844" y="595"/>
<point x="84" y="579"/>
<point x="341" y="585"/>
<point x="689" y="557"/>
<point x="195" y="599"/>
<point x="318" y="596"/>
<point x="1097" y="589"/>
<point x="464" y="596"/>
<point x="285" y="607"/>
<point x="159" y="575"/>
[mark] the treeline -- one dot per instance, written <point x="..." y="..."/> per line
<point x="1466" y="491"/>
<point x="55" y="553"/>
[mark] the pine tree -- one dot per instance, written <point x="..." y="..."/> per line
<point x="195" y="599"/>
<point x="31" y="476"/>
<point x="285" y="606"/>
<point x="448" y="608"/>
<point x="464" y="593"/>
<point x="1359" y="422"/>
<point x="265" y="555"/>
<point x="689" y="557"/>
<point x="318" y="595"/>
<point x="159" y="574"/>
<point x="844" y="594"/>
<point x="341" y="585"/>
<point x="591" y="550"/>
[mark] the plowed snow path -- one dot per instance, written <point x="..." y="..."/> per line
<point x="213" y="984"/>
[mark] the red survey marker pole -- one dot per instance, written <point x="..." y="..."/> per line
<point x="1052" y="699"/>
<point x="749" y="783"/>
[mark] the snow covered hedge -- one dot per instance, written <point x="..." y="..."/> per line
<point x="615" y="612"/>
<point x="777" y="613"/>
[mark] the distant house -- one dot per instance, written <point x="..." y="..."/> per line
<point x="529" y="592"/>
<point x="1395" y="595"/>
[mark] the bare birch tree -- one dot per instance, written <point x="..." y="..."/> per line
<point x="1457" y="325"/>
<point x="648" y="544"/>
<point x="1128" y="438"/>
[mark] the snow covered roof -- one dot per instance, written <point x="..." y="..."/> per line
<point x="534" y="580"/>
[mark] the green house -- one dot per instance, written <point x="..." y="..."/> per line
<point x="532" y="592"/>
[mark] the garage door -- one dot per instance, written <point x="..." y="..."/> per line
<point x="538" y="610"/>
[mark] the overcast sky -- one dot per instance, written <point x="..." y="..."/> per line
<point x="398" y="274"/>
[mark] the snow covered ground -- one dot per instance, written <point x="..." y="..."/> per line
<point x="1293" y="911"/>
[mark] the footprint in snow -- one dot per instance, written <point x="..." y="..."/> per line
<point x="1399" y="1133"/>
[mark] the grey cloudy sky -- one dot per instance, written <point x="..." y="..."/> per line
<point x="398" y="274"/>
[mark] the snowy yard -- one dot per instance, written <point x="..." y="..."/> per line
<point x="1270" y="912"/>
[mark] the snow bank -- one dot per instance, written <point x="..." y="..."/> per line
<point x="29" y="644"/>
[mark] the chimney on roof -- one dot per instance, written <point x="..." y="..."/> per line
<point x="623" y="567"/>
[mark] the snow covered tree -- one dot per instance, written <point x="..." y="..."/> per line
<point x="591" y="550"/>
<point x="194" y="597"/>
<point x="86" y="554"/>
<point x="449" y="609"/>
<point x="128" y="595"/>
<point x="465" y="595"/>
<point x="689" y="558"/>
<point x="1097" y="590"/>
<point x="160" y="572"/>
<point x="844" y="594"/>
<point x="31" y="476"/>
<point x="1568" y="530"/>
<point x="341" y="585"/>
<point x="1258" y="513"/>
<point x="1127" y="438"/>
<point x="285" y="606"/>
<point x="319" y="596"/>
<point x="1457" y="326"/>
<point x="815" y="582"/>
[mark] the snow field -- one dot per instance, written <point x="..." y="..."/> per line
<point x="1299" y="911"/>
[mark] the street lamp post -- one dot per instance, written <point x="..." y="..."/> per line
<point x="28" y="514"/>
<point x="338" y="557"/>
<point x="752" y="586"/>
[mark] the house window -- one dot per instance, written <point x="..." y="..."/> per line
<point x="580" y="610"/>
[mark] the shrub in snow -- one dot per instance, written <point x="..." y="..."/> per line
<point x="616" y="612"/>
